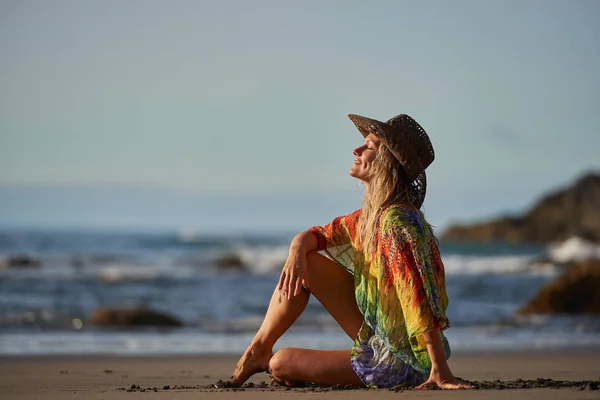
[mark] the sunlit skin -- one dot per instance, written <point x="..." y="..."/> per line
<point x="364" y="157"/>
<point x="307" y="272"/>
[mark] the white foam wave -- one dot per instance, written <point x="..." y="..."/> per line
<point x="468" y="339"/>
<point x="271" y="258"/>
<point x="472" y="265"/>
<point x="573" y="249"/>
<point x="188" y="235"/>
<point x="115" y="273"/>
<point x="118" y="273"/>
<point x="263" y="259"/>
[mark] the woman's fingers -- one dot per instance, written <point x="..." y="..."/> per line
<point x="455" y="386"/>
<point x="292" y="275"/>
<point x="284" y="283"/>
<point x="298" y="287"/>
<point x="427" y="385"/>
<point x="288" y="284"/>
<point x="450" y="386"/>
<point x="445" y="385"/>
<point x="463" y="385"/>
<point x="281" y="280"/>
<point x="292" y="286"/>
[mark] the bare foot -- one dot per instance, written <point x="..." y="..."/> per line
<point x="255" y="359"/>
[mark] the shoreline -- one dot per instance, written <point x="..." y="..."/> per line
<point x="188" y="376"/>
<point x="463" y="340"/>
<point x="562" y="351"/>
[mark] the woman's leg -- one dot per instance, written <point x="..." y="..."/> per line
<point x="280" y="315"/>
<point x="331" y="285"/>
<point x="293" y="367"/>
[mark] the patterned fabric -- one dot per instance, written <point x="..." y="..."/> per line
<point x="401" y="294"/>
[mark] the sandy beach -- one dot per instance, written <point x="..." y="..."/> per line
<point x="187" y="377"/>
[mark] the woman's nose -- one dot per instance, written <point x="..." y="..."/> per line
<point x="357" y="151"/>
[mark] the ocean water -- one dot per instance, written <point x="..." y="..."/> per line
<point x="46" y="309"/>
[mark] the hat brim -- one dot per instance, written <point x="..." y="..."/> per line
<point x="367" y="126"/>
<point x="384" y="131"/>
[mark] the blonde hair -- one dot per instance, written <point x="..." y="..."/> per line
<point x="388" y="184"/>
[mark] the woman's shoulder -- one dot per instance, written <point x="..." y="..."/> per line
<point x="404" y="211"/>
<point x="405" y="218"/>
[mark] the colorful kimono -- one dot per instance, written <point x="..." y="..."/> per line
<point x="401" y="294"/>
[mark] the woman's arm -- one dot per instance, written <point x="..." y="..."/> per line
<point x="440" y="375"/>
<point x="336" y="233"/>
<point x="294" y="270"/>
<point x="303" y="242"/>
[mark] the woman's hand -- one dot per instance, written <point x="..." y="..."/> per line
<point x="443" y="380"/>
<point x="293" y="274"/>
<point x="294" y="270"/>
<point x="440" y="376"/>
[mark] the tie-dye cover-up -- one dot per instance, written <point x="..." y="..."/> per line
<point x="401" y="294"/>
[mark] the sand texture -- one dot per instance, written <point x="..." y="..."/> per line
<point x="538" y="375"/>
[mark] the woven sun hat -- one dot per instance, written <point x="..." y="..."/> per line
<point x="408" y="142"/>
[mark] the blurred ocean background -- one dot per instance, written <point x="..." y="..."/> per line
<point x="219" y="286"/>
<point x="162" y="154"/>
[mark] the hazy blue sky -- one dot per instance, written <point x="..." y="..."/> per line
<point x="230" y="99"/>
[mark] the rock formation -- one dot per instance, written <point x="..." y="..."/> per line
<point x="131" y="317"/>
<point x="19" y="261"/>
<point x="575" y="291"/>
<point x="229" y="261"/>
<point x="574" y="211"/>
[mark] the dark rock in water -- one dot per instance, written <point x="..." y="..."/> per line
<point x="131" y="317"/>
<point x="20" y="262"/>
<point x="575" y="291"/>
<point x="574" y="211"/>
<point x="229" y="261"/>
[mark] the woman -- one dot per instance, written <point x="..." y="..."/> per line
<point x="390" y="295"/>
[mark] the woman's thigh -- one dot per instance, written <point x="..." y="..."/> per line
<point x="333" y="286"/>
<point x="323" y="367"/>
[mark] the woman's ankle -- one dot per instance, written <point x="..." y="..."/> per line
<point x="261" y="344"/>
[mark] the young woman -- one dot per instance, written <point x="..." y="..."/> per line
<point x="377" y="271"/>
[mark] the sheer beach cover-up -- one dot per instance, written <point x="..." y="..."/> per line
<point x="401" y="294"/>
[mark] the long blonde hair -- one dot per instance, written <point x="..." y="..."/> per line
<point x="388" y="184"/>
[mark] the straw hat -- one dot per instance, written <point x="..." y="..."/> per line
<point x="408" y="142"/>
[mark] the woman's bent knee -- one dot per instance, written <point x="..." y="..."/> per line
<point x="280" y="365"/>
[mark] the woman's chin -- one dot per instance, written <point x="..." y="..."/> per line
<point x="357" y="176"/>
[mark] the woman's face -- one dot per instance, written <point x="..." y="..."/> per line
<point x="364" y="157"/>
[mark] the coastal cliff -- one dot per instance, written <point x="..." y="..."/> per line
<point x="573" y="211"/>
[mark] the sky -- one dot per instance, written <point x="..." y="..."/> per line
<point x="208" y="114"/>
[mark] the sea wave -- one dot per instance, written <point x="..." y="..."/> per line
<point x="266" y="259"/>
<point x="258" y="260"/>
<point x="261" y="257"/>
<point x="472" y="265"/>
<point x="572" y="249"/>
<point x="190" y="341"/>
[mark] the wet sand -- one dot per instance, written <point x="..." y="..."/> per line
<point x="538" y="375"/>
